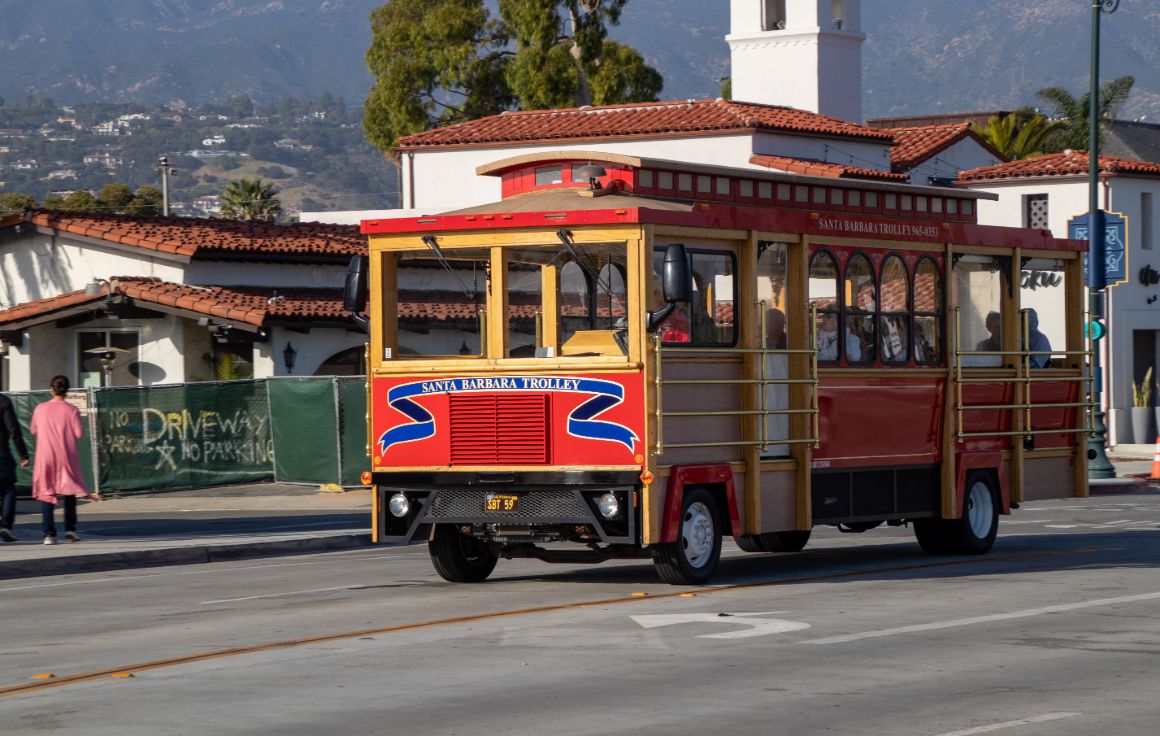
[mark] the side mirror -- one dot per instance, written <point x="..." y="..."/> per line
<point x="354" y="292"/>
<point x="676" y="283"/>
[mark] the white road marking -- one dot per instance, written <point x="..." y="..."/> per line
<point x="1026" y="613"/>
<point x="1063" y="526"/>
<point x="282" y="594"/>
<point x="759" y="626"/>
<point x="1010" y="724"/>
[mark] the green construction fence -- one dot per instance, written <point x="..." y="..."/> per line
<point x="291" y="430"/>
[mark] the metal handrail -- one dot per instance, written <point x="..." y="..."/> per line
<point x="1023" y="375"/>
<point x="764" y="441"/>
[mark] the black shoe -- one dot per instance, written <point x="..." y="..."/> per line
<point x="7" y="535"/>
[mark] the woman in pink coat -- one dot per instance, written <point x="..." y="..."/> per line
<point x="56" y="473"/>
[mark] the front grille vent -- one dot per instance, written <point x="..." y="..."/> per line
<point x="499" y="429"/>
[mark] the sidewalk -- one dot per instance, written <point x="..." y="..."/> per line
<point x="269" y="519"/>
<point x="191" y="526"/>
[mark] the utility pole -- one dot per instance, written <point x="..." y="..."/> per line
<point x="1098" y="465"/>
<point x="166" y="169"/>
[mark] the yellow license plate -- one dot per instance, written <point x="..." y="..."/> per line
<point x="500" y="502"/>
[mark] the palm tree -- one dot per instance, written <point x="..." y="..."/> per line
<point x="1018" y="135"/>
<point x="1073" y="111"/>
<point x="250" y="199"/>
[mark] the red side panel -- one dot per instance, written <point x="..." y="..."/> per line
<point x="968" y="461"/>
<point x="879" y="421"/>
<point x="683" y="475"/>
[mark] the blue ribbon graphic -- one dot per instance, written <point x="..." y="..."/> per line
<point x="582" y="421"/>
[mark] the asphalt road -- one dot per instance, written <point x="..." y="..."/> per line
<point x="1055" y="632"/>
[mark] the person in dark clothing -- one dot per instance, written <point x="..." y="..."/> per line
<point x="10" y="435"/>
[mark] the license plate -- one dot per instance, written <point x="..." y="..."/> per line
<point x="500" y="502"/>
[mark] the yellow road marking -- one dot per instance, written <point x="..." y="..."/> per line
<point x="120" y="670"/>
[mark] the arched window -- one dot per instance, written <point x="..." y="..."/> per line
<point x="611" y="296"/>
<point x="928" y="306"/>
<point x="861" y="305"/>
<point x="575" y="301"/>
<point x="823" y="296"/>
<point x="894" y="311"/>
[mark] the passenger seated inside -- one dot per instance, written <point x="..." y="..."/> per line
<point x="828" y="337"/>
<point x="775" y="338"/>
<point x="1038" y="342"/>
<point x="991" y="344"/>
<point x="776" y="394"/>
<point x="994" y="343"/>
<point x="924" y="351"/>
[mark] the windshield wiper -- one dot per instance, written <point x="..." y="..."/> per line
<point x="430" y="242"/>
<point x="565" y="237"/>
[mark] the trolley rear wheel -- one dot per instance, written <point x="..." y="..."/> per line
<point x="974" y="532"/>
<point x="459" y="558"/>
<point x="692" y="559"/>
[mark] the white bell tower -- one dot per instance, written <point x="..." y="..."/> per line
<point x="800" y="53"/>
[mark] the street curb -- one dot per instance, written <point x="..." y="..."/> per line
<point x="196" y="555"/>
<point x="1127" y="485"/>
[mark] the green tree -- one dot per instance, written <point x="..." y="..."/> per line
<point x="250" y="199"/>
<point x="13" y="202"/>
<point x="148" y="201"/>
<point x="1073" y="112"/>
<point x="1019" y="134"/>
<point x="114" y="197"/>
<point x="81" y="200"/>
<point x="438" y="62"/>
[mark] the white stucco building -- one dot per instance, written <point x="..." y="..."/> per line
<point x="171" y="299"/>
<point x="1048" y="191"/>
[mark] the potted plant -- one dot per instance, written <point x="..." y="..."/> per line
<point x="1142" y="411"/>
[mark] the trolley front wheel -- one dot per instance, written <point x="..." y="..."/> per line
<point x="692" y="559"/>
<point x="459" y="558"/>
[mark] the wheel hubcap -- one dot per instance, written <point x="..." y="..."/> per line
<point x="980" y="510"/>
<point x="697" y="534"/>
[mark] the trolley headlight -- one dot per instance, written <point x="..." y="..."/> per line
<point x="608" y="506"/>
<point x="399" y="505"/>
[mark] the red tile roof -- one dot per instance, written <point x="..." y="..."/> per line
<point x="917" y="144"/>
<point x="207" y="237"/>
<point x="638" y="119"/>
<point x="44" y="306"/>
<point x="1068" y="163"/>
<point x="252" y="305"/>
<point x="822" y="168"/>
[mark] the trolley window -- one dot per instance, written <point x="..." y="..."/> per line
<point x="443" y="301"/>
<point x="861" y="303"/>
<point x="823" y="296"/>
<point x="978" y="293"/>
<point x="554" y="293"/>
<point x="894" y="317"/>
<point x="707" y="320"/>
<point x="928" y="306"/>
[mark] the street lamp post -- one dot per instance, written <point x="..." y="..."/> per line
<point x="1098" y="465"/>
<point x="166" y="169"/>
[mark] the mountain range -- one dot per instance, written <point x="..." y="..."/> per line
<point x="920" y="56"/>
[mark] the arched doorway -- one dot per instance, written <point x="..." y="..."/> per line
<point x="349" y="362"/>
